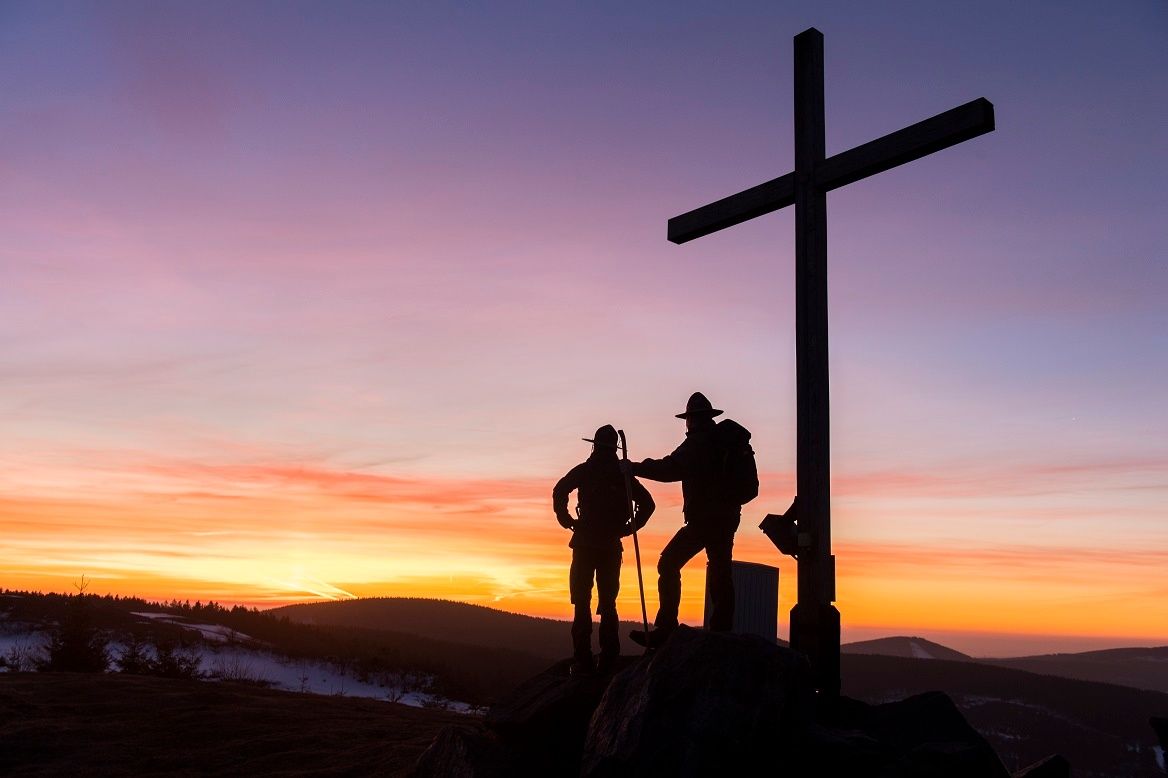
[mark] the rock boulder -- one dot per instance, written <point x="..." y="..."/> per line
<point x="710" y="704"/>
<point x="703" y="704"/>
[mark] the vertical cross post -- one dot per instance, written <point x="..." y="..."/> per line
<point x="815" y="622"/>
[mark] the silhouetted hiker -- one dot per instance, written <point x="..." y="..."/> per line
<point x="713" y="493"/>
<point x="603" y="510"/>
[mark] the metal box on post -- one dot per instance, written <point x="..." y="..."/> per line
<point x="756" y="600"/>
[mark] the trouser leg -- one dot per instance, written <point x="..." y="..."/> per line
<point x="580" y="588"/>
<point x="607" y="588"/>
<point x="582" y="632"/>
<point x="679" y="550"/>
<point x="719" y="552"/>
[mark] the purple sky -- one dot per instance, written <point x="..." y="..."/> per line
<point x="427" y="240"/>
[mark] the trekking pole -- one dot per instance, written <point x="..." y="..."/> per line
<point x="636" y="544"/>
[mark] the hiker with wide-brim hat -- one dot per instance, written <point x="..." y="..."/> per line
<point x="698" y="407"/>
<point x="603" y="518"/>
<point x="711" y="516"/>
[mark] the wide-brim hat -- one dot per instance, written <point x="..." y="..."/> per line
<point x="605" y="436"/>
<point x="699" y="407"/>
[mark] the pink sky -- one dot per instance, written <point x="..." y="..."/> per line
<point x="303" y="300"/>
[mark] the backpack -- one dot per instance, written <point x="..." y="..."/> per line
<point x="739" y="470"/>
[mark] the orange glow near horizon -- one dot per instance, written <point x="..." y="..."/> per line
<point x="267" y="536"/>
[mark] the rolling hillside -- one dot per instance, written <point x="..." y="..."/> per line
<point x="1143" y="668"/>
<point x="450" y="621"/>
<point x="907" y="647"/>
<point x="456" y="670"/>
<point x="477" y="654"/>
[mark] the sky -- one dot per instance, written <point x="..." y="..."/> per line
<point x="312" y="300"/>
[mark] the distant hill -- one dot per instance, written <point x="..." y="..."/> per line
<point x="445" y="620"/>
<point x="548" y="639"/>
<point x="1140" y="668"/>
<point x="1143" y="668"/>
<point x="907" y="647"/>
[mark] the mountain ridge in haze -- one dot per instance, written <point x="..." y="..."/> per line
<point x="1141" y="668"/>
<point x="908" y="647"/>
<point x="1138" y="667"/>
<point x="440" y="619"/>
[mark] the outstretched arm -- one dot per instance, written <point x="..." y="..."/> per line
<point x="673" y="467"/>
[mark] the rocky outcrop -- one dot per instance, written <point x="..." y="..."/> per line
<point x="543" y="722"/>
<point x="537" y="729"/>
<point x="708" y="704"/>
<point x="923" y="735"/>
<point x="464" y="752"/>
<point x="703" y="704"/>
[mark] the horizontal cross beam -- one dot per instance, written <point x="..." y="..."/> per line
<point x="918" y="140"/>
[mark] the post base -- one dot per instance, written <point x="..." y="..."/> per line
<point x="815" y="632"/>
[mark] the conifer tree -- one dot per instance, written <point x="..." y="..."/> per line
<point x="76" y="645"/>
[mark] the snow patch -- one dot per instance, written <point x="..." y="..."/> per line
<point x="20" y="650"/>
<point x="223" y="661"/>
<point x="234" y="663"/>
<point x="216" y="633"/>
<point x="918" y="651"/>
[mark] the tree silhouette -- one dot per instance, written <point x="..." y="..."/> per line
<point x="76" y="645"/>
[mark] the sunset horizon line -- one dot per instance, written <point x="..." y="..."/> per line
<point x="870" y="632"/>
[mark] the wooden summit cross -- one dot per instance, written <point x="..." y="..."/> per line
<point x="815" y="622"/>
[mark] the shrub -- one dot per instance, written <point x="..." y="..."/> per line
<point x="21" y="657"/>
<point x="135" y="658"/>
<point x="235" y="668"/>
<point x="174" y="660"/>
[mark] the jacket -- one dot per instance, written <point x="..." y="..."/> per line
<point x="601" y="502"/>
<point x="698" y="464"/>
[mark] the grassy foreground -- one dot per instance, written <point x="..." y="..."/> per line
<point x="82" y="724"/>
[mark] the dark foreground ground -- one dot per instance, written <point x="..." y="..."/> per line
<point x="113" y="724"/>
<point x="67" y="724"/>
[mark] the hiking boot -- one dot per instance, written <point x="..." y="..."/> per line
<point x="652" y="639"/>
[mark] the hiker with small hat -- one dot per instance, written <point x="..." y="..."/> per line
<point x="712" y="508"/>
<point x="604" y="516"/>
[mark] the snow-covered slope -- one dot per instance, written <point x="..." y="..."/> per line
<point x="908" y="647"/>
<point x="224" y="654"/>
